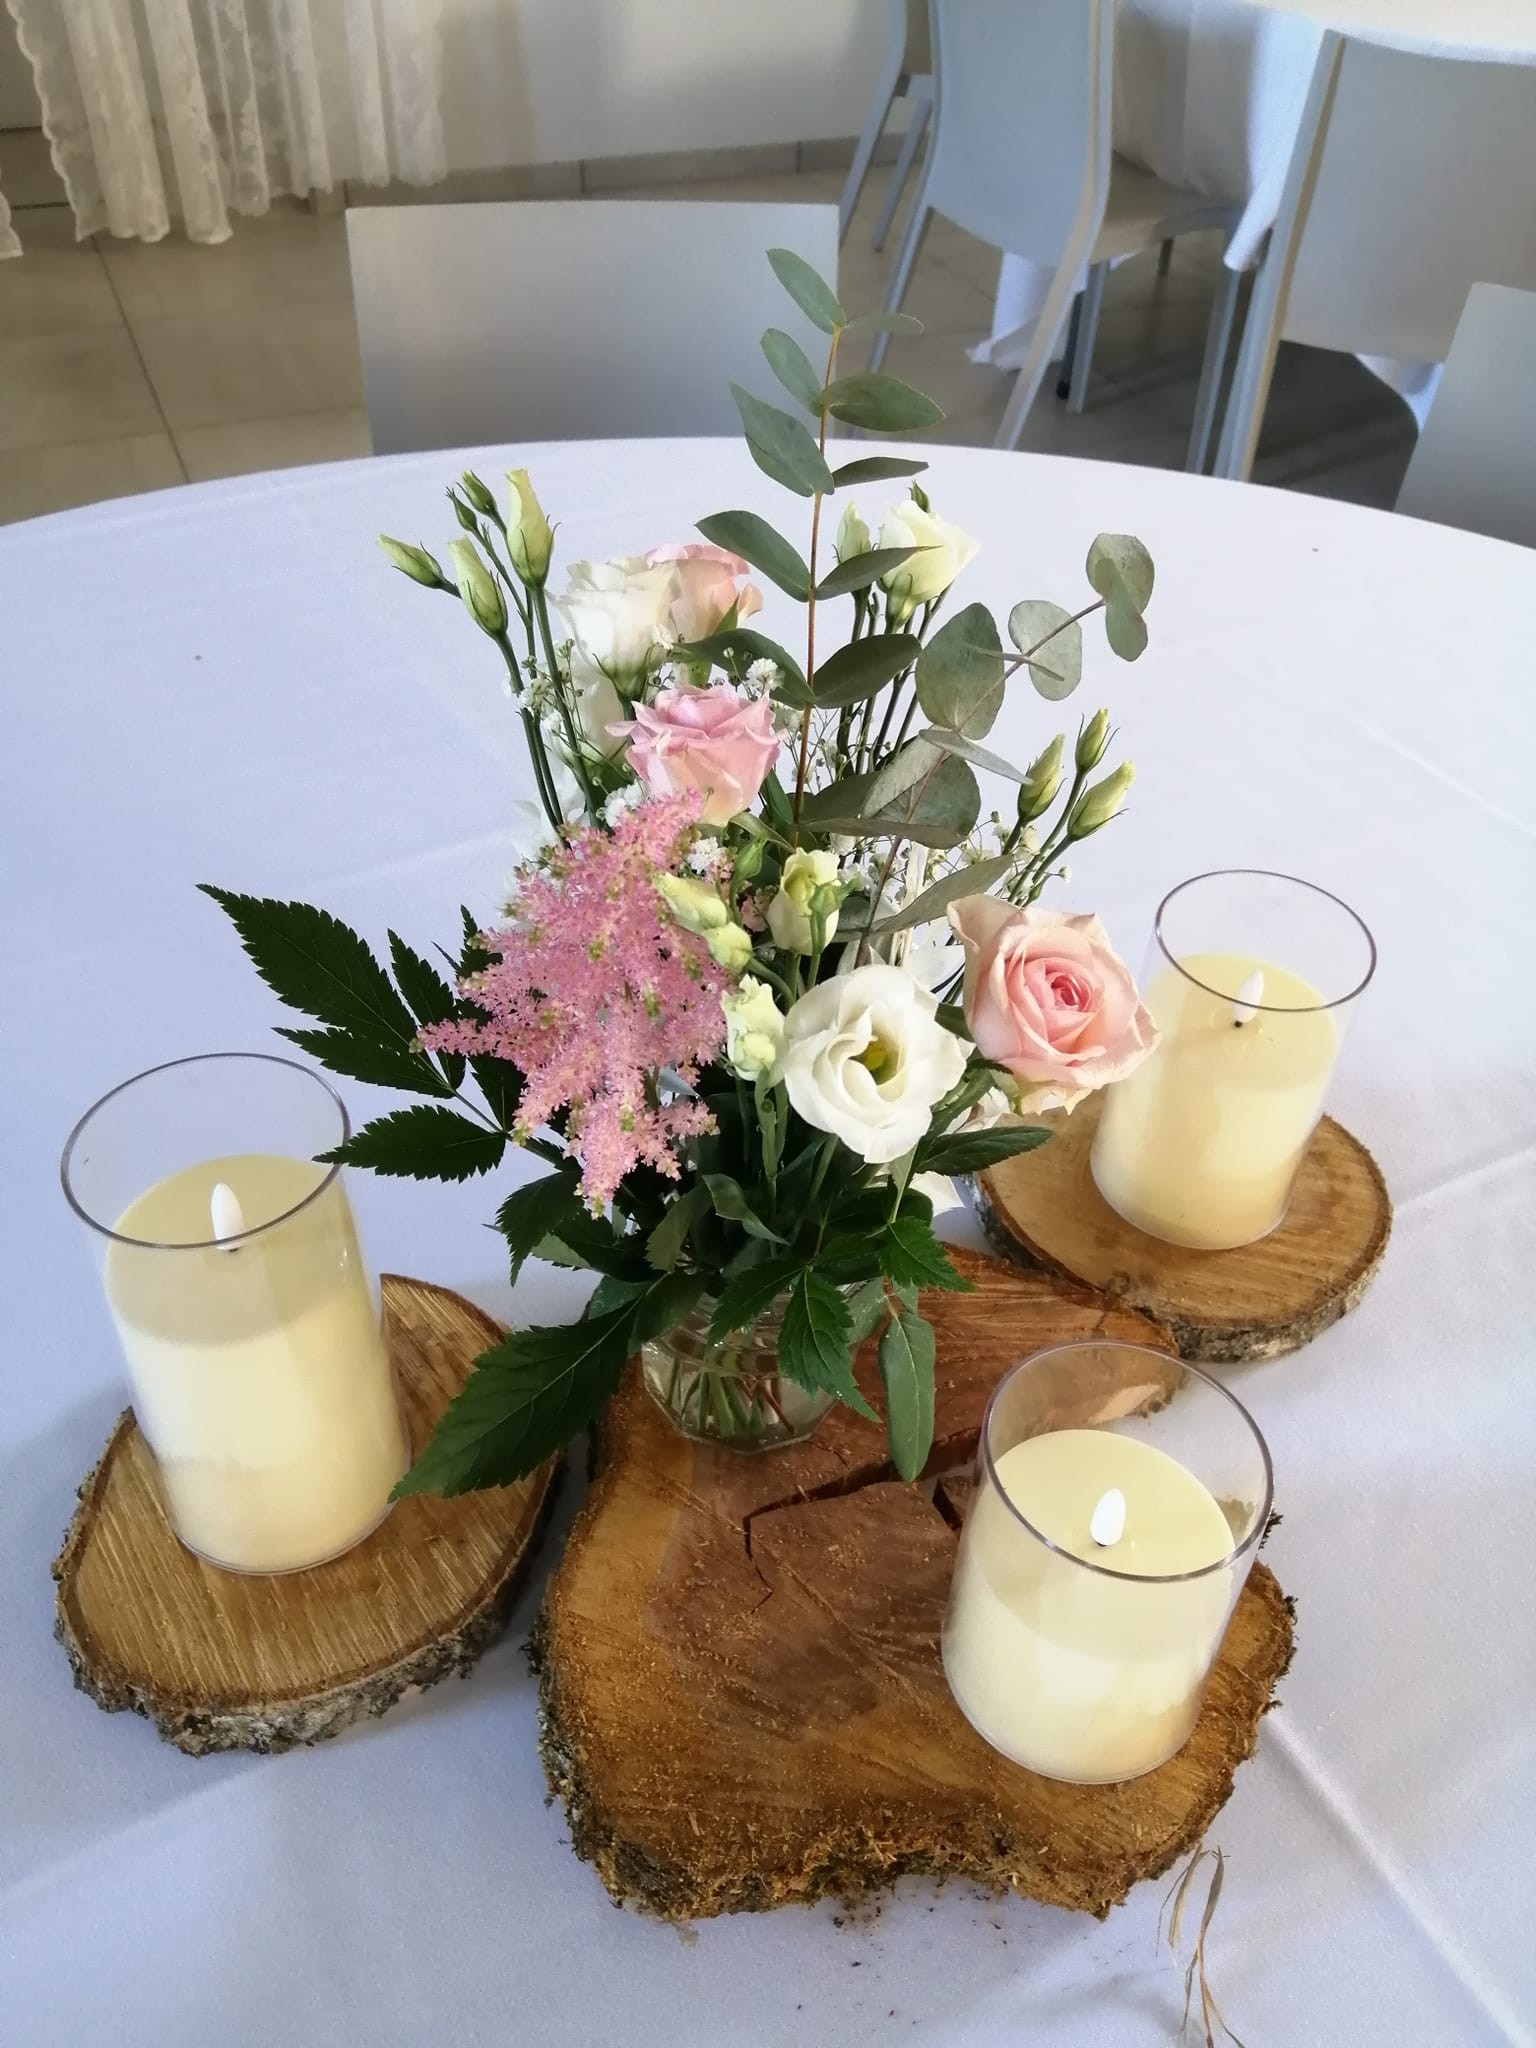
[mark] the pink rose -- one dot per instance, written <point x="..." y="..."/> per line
<point x="714" y="740"/>
<point x="1047" y="998"/>
<point x="707" y="588"/>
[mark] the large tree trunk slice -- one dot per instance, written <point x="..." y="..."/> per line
<point x="741" y="1698"/>
<point x="1222" y="1308"/>
<point x="221" y="1660"/>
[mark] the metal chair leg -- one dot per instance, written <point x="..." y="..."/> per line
<point x="1218" y="340"/>
<point x="1026" y="386"/>
<point x="1082" y="359"/>
<point x="920" y="107"/>
<point x="1069" y="354"/>
<point x="1165" y="258"/>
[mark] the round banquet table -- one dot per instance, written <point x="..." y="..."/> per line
<point x="227" y="683"/>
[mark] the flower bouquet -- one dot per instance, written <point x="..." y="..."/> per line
<point x="769" y="979"/>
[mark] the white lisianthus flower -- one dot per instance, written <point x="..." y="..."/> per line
<point x="789" y="914"/>
<point x="618" y="614"/>
<point x="754" y="1028"/>
<point x="946" y="550"/>
<point x="865" y="1058"/>
<point x="599" y="708"/>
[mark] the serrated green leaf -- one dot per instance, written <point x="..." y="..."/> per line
<point x="745" y="1297"/>
<point x="815" y="1342"/>
<point x="973" y="1151"/>
<point x="430" y="998"/>
<point x="525" y="1399"/>
<point x="611" y="1293"/>
<point x="793" y="368"/>
<point x="859" y="571"/>
<point x="736" y="651"/>
<point x="782" y="446"/>
<point x="314" y="963"/>
<point x="365" y="1059"/>
<point x="906" y="1367"/>
<point x="862" y="667"/>
<point x="911" y="1256"/>
<point x="745" y="534"/>
<point x="880" y="402"/>
<point x="865" y="1310"/>
<point x="960" y="674"/>
<point x="810" y="292"/>
<point x="974" y="880"/>
<point x="592" y="1241"/>
<point x="502" y="1086"/>
<point x="1119" y="562"/>
<point x="730" y="1201"/>
<point x="531" y="1212"/>
<point x="864" y="324"/>
<point x="1057" y="669"/>
<point x="664" y="1246"/>
<point x="426" y="1142"/>
<point x="876" y="469"/>
<point x="663" y="1306"/>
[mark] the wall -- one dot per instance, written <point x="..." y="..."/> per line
<point x="550" y="81"/>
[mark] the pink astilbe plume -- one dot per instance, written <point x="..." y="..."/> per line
<point x="593" y="991"/>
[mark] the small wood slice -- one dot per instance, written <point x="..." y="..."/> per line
<point x="221" y="1660"/>
<point x="1223" y="1308"/>
<point x="742" y="1703"/>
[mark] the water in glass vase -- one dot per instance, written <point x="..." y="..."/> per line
<point x="732" y="1393"/>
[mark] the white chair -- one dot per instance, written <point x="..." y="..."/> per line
<point x="1413" y="178"/>
<point x="1022" y="157"/>
<point x="906" y="72"/>
<point x="1475" y="463"/>
<point x="571" y="319"/>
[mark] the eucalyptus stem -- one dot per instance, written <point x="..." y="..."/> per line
<point x="803" y="763"/>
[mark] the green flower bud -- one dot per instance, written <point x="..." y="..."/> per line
<point x="413" y="562"/>
<point x="852" y="534"/>
<point x="749" y="861"/>
<point x="462" y="512"/>
<point x="477" y="494"/>
<point x="1099" y="803"/>
<point x="478" y="587"/>
<point x="696" y="907"/>
<point x="530" y="542"/>
<point x="1037" y="792"/>
<point x="919" y="497"/>
<point x="1092" y="741"/>
<point x="730" y="947"/>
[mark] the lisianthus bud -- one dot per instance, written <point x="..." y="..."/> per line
<point x="529" y="539"/>
<point x="478" y="587"/>
<point x="413" y="562"/>
<point x="696" y="907"/>
<point x="748" y="861"/>
<point x="477" y="493"/>
<point x="852" y="534"/>
<point x="1092" y="741"/>
<point x="789" y="917"/>
<point x="1037" y="792"/>
<point x="754" y="1027"/>
<point x="1098" y="804"/>
<point x="463" y="513"/>
<point x="730" y="947"/>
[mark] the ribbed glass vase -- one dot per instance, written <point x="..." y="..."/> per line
<point x="731" y="1394"/>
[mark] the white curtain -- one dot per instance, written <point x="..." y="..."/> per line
<point x="179" y="113"/>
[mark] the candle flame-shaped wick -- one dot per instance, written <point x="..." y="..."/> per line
<point x="226" y="1215"/>
<point x="1249" y="997"/>
<point x="1107" y="1524"/>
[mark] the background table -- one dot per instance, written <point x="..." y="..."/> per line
<point x="227" y="683"/>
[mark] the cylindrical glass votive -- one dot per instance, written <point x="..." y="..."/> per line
<point x="1251" y="980"/>
<point x="1087" y="1660"/>
<point x="260" y="1377"/>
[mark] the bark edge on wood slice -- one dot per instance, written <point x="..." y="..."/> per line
<point x="222" y="1660"/>
<point x="1223" y="1308"/>
<point x="741" y="1700"/>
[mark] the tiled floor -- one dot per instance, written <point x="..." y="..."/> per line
<point x="126" y="366"/>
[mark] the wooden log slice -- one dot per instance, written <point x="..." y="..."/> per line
<point x="1223" y="1308"/>
<point x="741" y="1698"/>
<point x="223" y="1660"/>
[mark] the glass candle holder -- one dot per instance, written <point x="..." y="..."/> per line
<point x="1252" y="980"/>
<point x="230" y="1261"/>
<point x="1082" y="1659"/>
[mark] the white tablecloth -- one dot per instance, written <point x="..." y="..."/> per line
<point x="1208" y="95"/>
<point x="227" y="683"/>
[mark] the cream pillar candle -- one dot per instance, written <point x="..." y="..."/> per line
<point x="1201" y="1144"/>
<point x="1076" y="1673"/>
<point x="260" y="1377"/>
